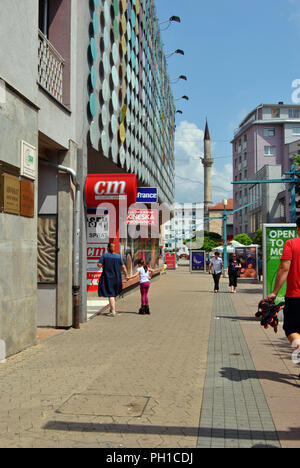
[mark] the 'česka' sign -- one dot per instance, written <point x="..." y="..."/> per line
<point x="142" y="217"/>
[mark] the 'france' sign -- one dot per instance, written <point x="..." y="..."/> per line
<point x="146" y="195"/>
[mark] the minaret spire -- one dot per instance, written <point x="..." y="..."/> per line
<point x="207" y="162"/>
<point x="206" y="135"/>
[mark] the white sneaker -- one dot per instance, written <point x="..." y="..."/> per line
<point x="111" y="314"/>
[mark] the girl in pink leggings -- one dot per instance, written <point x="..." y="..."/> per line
<point x="144" y="274"/>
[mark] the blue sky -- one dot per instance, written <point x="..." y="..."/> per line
<point x="238" y="54"/>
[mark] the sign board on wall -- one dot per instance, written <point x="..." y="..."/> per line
<point x="97" y="240"/>
<point x="10" y="194"/>
<point x="142" y="218"/>
<point x="197" y="261"/>
<point x="27" y="198"/>
<point x="274" y="239"/>
<point x="28" y="160"/>
<point x="110" y="188"/>
<point x="146" y="195"/>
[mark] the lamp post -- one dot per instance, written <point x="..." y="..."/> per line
<point x="178" y="51"/>
<point x="225" y="203"/>
<point x="172" y="19"/>
<point x="181" y="77"/>
<point x="182" y="97"/>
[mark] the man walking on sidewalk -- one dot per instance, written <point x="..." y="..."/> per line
<point x="289" y="271"/>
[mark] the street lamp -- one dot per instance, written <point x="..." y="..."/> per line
<point x="172" y="19"/>
<point x="225" y="203"/>
<point x="178" y="51"/>
<point x="181" y="77"/>
<point x="183" y="97"/>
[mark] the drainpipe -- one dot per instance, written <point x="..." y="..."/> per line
<point x="76" y="233"/>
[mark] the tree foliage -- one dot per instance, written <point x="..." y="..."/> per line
<point x="258" y="237"/>
<point x="211" y="241"/>
<point x="243" y="239"/>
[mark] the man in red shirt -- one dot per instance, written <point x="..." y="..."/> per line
<point x="289" y="271"/>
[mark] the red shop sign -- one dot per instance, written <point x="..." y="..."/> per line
<point x="110" y="188"/>
<point x="142" y="217"/>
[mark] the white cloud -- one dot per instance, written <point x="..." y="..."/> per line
<point x="189" y="169"/>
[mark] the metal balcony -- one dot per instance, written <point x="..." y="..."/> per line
<point x="50" y="68"/>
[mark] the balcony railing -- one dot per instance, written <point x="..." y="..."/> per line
<point x="50" y="68"/>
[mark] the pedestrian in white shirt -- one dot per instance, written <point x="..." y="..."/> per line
<point x="215" y="268"/>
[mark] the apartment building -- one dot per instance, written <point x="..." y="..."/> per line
<point x="263" y="146"/>
<point x="187" y="218"/>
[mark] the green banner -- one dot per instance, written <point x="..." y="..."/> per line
<point x="275" y="237"/>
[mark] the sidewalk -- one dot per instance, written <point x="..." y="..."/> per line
<point x="198" y="372"/>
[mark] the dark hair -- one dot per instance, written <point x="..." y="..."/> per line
<point x="142" y="263"/>
<point x="109" y="245"/>
<point x="217" y="253"/>
<point x="298" y="222"/>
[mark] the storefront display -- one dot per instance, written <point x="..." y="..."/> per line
<point x="248" y="259"/>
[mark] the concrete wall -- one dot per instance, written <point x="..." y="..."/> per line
<point x="19" y="45"/>
<point x="18" y="239"/>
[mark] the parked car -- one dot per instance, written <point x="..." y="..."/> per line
<point x="186" y="256"/>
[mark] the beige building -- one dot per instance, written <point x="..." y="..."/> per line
<point x="216" y="225"/>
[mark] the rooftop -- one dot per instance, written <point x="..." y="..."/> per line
<point x="220" y="206"/>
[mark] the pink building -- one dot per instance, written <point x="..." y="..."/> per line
<point x="263" y="147"/>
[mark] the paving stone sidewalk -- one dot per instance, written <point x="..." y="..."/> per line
<point x="199" y="372"/>
<point x="129" y="381"/>
<point x="235" y="413"/>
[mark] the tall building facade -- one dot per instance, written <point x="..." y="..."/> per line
<point x="262" y="149"/>
<point x="92" y="97"/>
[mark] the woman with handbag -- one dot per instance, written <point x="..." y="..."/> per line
<point x="234" y="268"/>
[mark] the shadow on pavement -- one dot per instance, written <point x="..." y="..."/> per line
<point x="238" y="375"/>
<point x="205" y="432"/>
<point x="238" y="318"/>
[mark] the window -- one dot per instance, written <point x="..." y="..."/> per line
<point x="276" y="113"/>
<point x="44" y="17"/>
<point x="269" y="151"/>
<point x="245" y="139"/>
<point x="294" y="113"/>
<point x="269" y="132"/>
<point x="296" y="131"/>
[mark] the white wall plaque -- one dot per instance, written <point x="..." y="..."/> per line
<point x="28" y="160"/>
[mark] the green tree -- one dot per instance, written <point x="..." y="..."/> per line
<point x="258" y="237"/>
<point x="211" y="241"/>
<point x="243" y="239"/>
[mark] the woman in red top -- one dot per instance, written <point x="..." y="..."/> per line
<point x="289" y="271"/>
